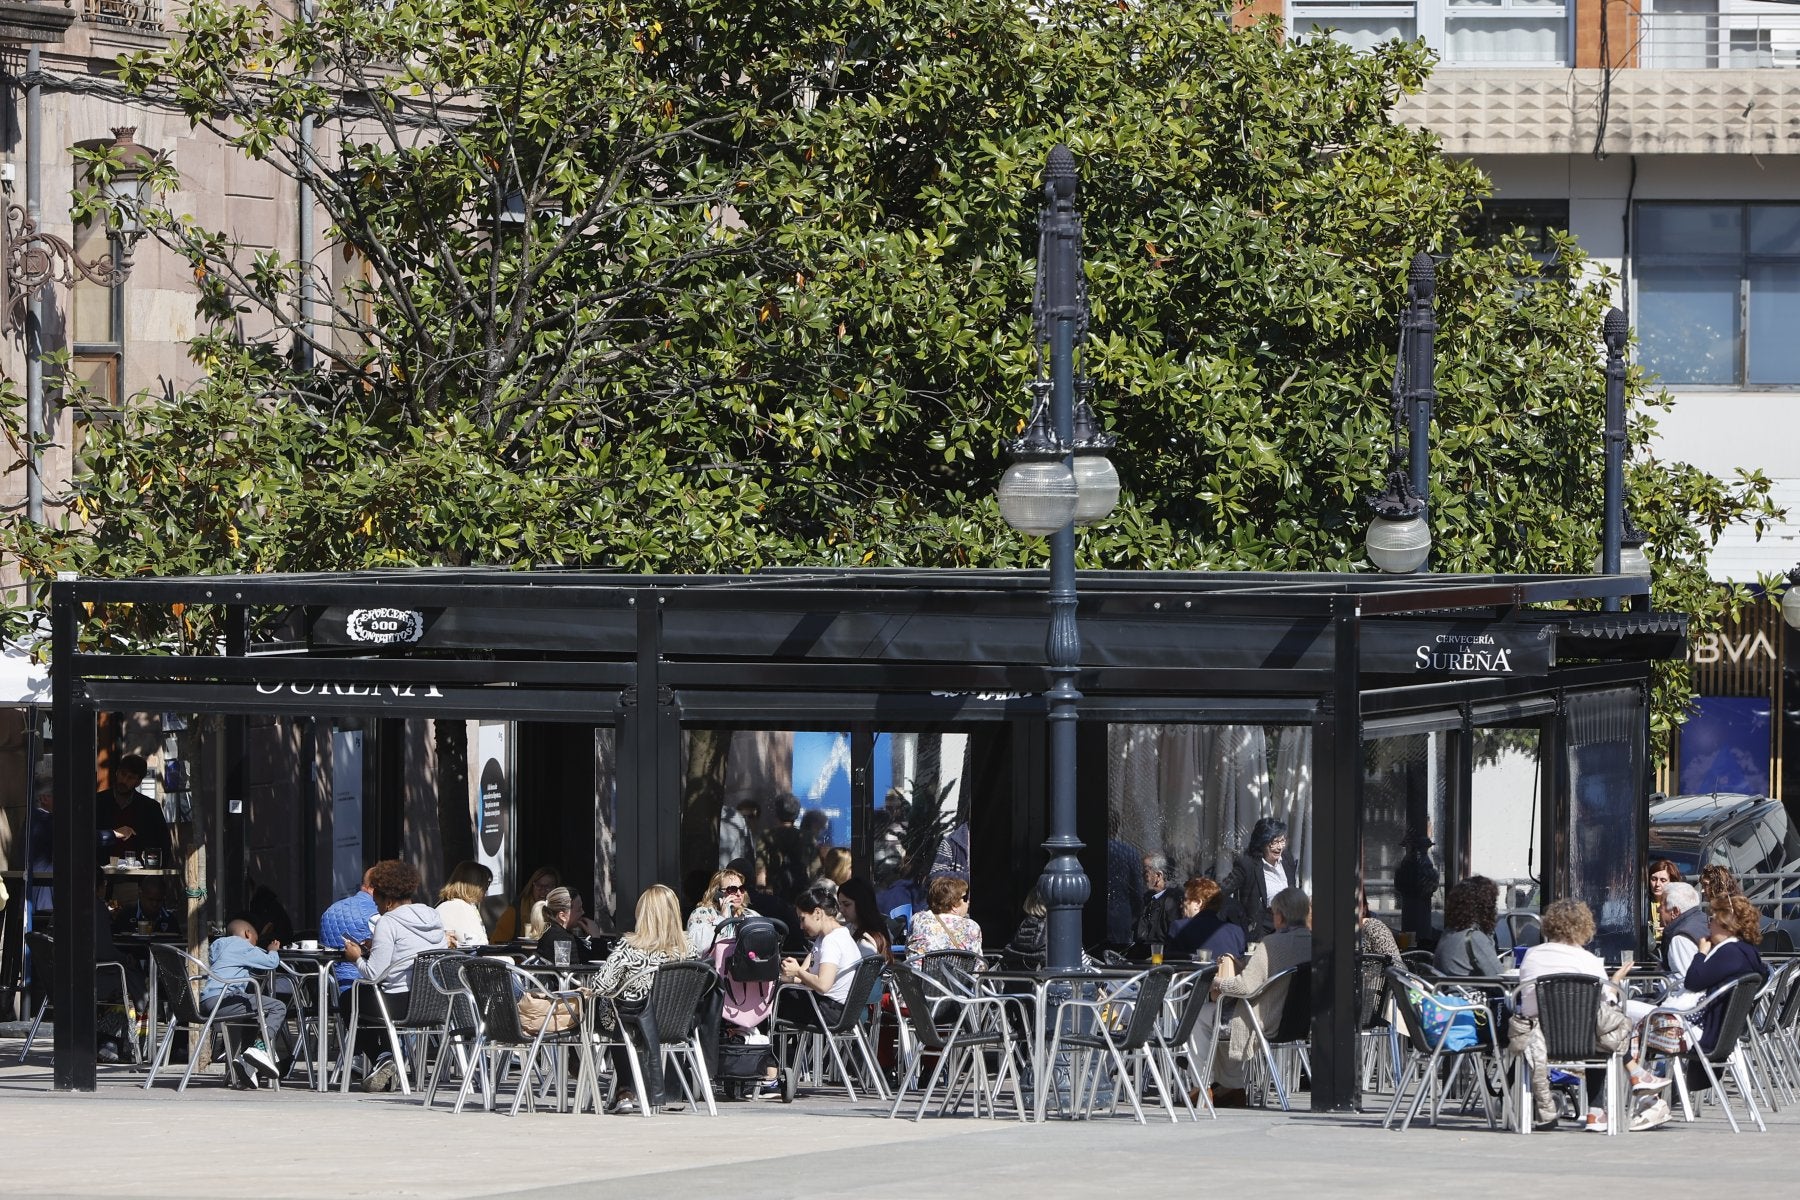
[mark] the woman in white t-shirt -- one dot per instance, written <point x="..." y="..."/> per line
<point x="827" y="970"/>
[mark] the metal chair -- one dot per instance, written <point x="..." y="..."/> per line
<point x="1188" y="997"/>
<point x="678" y="993"/>
<point x="457" y="1033"/>
<point x="846" y="1032"/>
<point x="961" y="1051"/>
<point x="1426" y="1052"/>
<point x="1738" y="997"/>
<point x="1122" y="1033"/>
<point x="427" y="1011"/>
<point x="1292" y="1033"/>
<point x="1569" y="1018"/>
<point x="43" y="959"/>
<point x="177" y="971"/>
<point x="1377" y="1039"/>
<point x="954" y="971"/>
<point x="369" y="993"/>
<point x="498" y="1032"/>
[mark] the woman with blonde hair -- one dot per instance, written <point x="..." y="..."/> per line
<point x="834" y="868"/>
<point x="725" y="900"/>
<point x="459" y="904"/>
<point x="626" y="980"/>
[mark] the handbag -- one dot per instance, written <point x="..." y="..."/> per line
<point x="539" y="1013"/>
<point x="1436" y="1016"/>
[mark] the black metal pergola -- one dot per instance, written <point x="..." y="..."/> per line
<point x="1345" y="655"/>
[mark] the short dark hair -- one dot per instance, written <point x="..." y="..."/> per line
<point x="1266" y="830"/>
<point x="134" y="763"/>
<point x="392" y="879"/>
<point x="818" y="899"/>
<point x="787" y="807"/>
<point x="946" y="892"/>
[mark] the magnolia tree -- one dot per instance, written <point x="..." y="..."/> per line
<point x="707" y="285"/>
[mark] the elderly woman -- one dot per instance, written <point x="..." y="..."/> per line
<point x="725" y="900"/>
<point x="1568" y="926"/>
<point x="1288" y="945"/>
<point x="626" y="980"/>
<point x="1727" y="952"/>
<point x="1202" y="925"/>
<point x="1263" y="869"/>
<point x="947" y="925"/>
<point x="1467" y="947"/>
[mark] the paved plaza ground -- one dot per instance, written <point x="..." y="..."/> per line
<point x="212" y="1142"/>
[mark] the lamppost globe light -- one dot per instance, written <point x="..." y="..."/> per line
<point x="1038" y="496"/>
<point x="129" y="185"/>
<point x="1790" y="599"/>
<point x="1096" y="487"/>
<point x="1398" y="545"/>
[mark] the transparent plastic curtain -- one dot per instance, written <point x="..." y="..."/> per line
<point x="1605" y="738"/>
<point x="1405" y="795"/>
<point x="1194" y="792"/>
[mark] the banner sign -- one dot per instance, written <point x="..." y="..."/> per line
<point x="1457" y="648"/>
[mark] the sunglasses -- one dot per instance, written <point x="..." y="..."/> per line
<point x="732" y="889"/>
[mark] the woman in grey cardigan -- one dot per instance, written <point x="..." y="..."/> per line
<point x="1467" y="947"/>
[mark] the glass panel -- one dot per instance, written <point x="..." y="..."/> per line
<point x="1359" y="33"/>
<point x="1534" y="39"/>
<point x="1774" y="352"/>
<point x="606" y="842"/>
<point x="1606" y="732"/>
<point x="1193" y="792"/>
<point x="1405" y="788"/>
<point x="1775" y="229"/>
<point x="92" y="303"/>
<point x="100" y="372"/>
<point x="1681" y="33"/>
<point x="1688" y="323"/>
<point x="1689" y="230"/>
<point x="1504" y="814"/>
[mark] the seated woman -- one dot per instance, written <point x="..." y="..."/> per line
<point x="1373" y="935"/>
<point x="511" y="924"/>
<point x="626" y="981"/>
<point x="1568" y="926"/>
<point x="404" y="929"/>
<point x="946" y="926"/>
<point x="1467" y="947"/>
<point x="1030" y="943"/>
<point x="459" y="903"/>
<point x="1728" y="952"/>
<point x="725" y="900"/>
<point x="1202" y="924"/>
<point x="827" y="968"/>
<point x="862" y="916"/>
<point x="564" y="925"/>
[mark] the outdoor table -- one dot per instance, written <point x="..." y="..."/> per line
<point x="562" y="978"/>
<point x="1040" y="982"/>
<point x="295" y="960"/>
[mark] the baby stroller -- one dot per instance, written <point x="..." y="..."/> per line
<point x="746" y="952"/>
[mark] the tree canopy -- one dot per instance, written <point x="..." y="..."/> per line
<point x="695" y="285"/>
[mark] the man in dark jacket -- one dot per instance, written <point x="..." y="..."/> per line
<point x="1162" y="902"/>
<point x="1264" y="869"/>
<point x="1684" y="927"/>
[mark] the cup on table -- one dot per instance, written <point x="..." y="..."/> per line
<point x="1203" y="956"/>
<point x="560" y="953"/>
<point x="307" y="944"/>
<point x="146" y="928"/>
<point x="1156" y="954"/>
<point x="153" y="859"/>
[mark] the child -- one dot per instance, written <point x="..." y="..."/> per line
<point x="227" y="992"/>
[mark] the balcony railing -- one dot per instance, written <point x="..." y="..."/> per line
<point x="1731" y="41"/>
<point x="142" y="15"/>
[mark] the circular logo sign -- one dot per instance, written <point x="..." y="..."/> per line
<point x="385" y="626"/>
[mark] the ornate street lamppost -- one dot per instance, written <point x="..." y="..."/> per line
<point x="1060" y="478"/>
<point x="1399" y="538"/>
<point x="1621" y="542"/>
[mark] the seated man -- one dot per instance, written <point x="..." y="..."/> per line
<point x="227" y="993"/>
<point x="1684" y="927"/>
<point x="1288" y="946"/>
<point x="351" y="919"/>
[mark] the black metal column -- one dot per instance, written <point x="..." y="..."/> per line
<point x="1065" y="885"/>
<point x="1613" y="520"/>
<point x="228" y="868"/>
<point x="1421" y="369"/>
<point x="75" y="851"/>
<point x="1337" y="871"/>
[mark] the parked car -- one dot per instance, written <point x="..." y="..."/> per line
<point x="1749" y="835"/>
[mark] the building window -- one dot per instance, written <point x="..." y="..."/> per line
<point x="1718" y="293"/>
<point x="1465" y="33"/>
<point x="1539" y="222"/>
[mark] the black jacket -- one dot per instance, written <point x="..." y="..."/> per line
<point x="1158" y="913"/>
<point x="580" y="948"/>
<point x="1247" y="898"/>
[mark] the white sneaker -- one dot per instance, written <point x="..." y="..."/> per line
<point x="1650" y="1118"/>
<point x="381" y="1076"/>
<point x="265" y="1066"/>
<point x="1596" y="1121"/>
